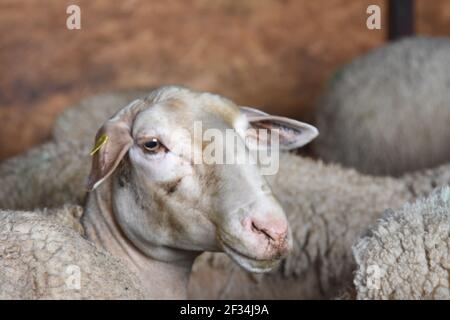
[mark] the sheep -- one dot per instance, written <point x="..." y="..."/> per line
<point x="424" y="182"/>
<point x="406" y="255"/>
<point x="387" y="112"/>
<point x="79" y="122"/>
<point x="50" y="175"/>
<point x="44" y="256"/>
<point x="156" y="209"/>
<point x="328" y="207"/>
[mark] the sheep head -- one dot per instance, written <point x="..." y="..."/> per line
<point x="170" y="201"/>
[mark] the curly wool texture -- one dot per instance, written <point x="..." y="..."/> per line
<point x="406" y="255"/>
<point x="422" y="183"/>
<point x="41" y="252"/>
<point x="387" y="112"/>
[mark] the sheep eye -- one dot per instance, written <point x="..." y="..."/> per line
<point x="152" y="145"/>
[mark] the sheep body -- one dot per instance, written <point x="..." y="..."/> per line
<point x="406" y="255"/>
<point x="49" y="175"/>
<point x="387" y="112"/>
<point x="41" y="252"/>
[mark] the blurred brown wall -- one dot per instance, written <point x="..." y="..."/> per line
<point x="274" y="54"/>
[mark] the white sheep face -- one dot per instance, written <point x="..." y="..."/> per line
<point x="170" y="205"/>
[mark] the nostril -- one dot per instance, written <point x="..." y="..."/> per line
<point x="257" y="229"/>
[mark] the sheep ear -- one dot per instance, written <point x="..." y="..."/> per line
<point x="292" y="133"/>
<point x="252" y="112"/>
<point x="112" y="142"/>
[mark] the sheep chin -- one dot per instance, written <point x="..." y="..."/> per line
<point x="249" y="264"/>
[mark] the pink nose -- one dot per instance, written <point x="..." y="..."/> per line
<point x="275" y="230"/>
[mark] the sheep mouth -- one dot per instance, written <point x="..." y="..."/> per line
<point x="249" y="263"/>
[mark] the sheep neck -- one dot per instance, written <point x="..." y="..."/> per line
<point x="160" y="280"/>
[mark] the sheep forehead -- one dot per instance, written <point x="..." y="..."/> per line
<point x="192" y="105"/>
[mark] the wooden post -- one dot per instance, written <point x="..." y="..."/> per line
<point x="401" y="19"/>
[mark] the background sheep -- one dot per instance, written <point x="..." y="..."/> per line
<point x="406" y="255"/>
<point x="42" y="253"/>
<point x="50" y="175"/>
<point x="328" y="208"/>
<point x="388" y="112"/>
<point x="80" y="122"/>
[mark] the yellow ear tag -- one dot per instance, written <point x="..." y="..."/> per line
<point x="99" y="144"/>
